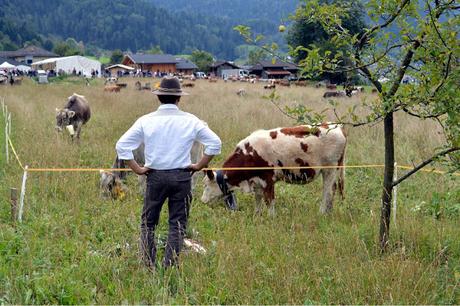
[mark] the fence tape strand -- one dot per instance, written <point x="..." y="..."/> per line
<point x="219" y="168"/>
<point x="14" y="152"/>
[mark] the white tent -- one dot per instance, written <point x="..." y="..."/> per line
<point x="70" y="63"/>
<point x="7" y="65"/>
<point x="23" y="68"/>
<point x="120" y="66"/>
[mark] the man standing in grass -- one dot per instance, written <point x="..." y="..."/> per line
<point x="168" y="135"/>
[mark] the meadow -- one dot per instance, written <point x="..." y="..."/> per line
<point x="75" y="248"/>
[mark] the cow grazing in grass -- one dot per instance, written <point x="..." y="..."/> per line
<point x="112" y="88"/>
<point x="113" y="183"/>
<point x="75" y="113"/>
<point x="303" y="146"/>
<point x="330" y="94"/>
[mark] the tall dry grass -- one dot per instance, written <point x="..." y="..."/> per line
<point x="73" y="247"/>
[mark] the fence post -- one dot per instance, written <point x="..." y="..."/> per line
<point x="6" y="139"/>
<point x="14" y="203"/>
<point x="23" y="192"/>
<point x="9" y="125"/>
<point x="395" y="193"/>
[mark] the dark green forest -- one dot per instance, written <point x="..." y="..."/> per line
<point x="238" y="10"/>
<point x="115" y="24"/>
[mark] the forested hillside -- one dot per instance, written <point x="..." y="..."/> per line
<point x="238" y="10"/>
<point x="263" y="16"/>
<point x="110" y="24"/>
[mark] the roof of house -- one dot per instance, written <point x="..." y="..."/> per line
<point x="277" y="64"/>
<point x="28" y="51"/>
<point x="278" y="72"/>
<point x="152" y="58"/>
<point x="220" y="63"/>
<point x="185" y="64"/>
<point x="120" y="66"/>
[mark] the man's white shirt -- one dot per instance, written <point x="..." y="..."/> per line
<point x="168" y="135"/>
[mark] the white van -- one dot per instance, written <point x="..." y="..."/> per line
<point x="200" y="75"/>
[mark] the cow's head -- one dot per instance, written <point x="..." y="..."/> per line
<point x="112" y="186"/>
<point x="211" y="188"/>
<point x="215" y="187"/>
<point x="63" y="118"/>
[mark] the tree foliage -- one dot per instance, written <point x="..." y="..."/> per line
<point x="307" y="32"/>
<point x="116" y="57"/>
<point x="202" y="59"/>
<point x="257" y="55"/>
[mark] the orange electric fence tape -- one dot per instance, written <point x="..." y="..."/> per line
<point x="217" y="168"/>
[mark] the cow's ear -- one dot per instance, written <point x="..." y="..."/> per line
<point x="71" y="114"/>
<point x="210" y="174"/>
<point x="57" y="110"/>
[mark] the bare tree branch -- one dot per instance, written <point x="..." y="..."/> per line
<point x="446" y="75"/>
<point x="423" y="164"/>
<point x="434" y="24"/>
<point x="420" y="116"/>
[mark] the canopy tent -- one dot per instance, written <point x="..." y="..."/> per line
<point x="7" y="65"/>
<point x="120" y="66"/>
<point x="23" y="68"/>
<point x="69" y="64"/>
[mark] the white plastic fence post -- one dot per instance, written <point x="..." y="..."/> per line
<point x="395" y="193"/>
<point x="23" y="193"/>
<point x="9" y="125"/>
<point x="6" y="141"/>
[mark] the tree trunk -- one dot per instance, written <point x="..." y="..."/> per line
<point x="387" y="182"/>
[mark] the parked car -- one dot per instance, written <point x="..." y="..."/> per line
<point x="200" y="75"/>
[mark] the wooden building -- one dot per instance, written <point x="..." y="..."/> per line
<point x="217" y="67"/>
<point x="276" y="70"/>
<point x="185" y="66"/>
<point x="159" y="63"/>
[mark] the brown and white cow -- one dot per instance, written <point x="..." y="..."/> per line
<point x="304" y="146"/>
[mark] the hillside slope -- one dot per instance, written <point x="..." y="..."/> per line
<point x="128" y="25"/>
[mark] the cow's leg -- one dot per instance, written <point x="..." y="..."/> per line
<point x="269" y="197"/>
<point x="259" y="194"/>
<point x="328" y="189"/>
<point x="77" y="128"/>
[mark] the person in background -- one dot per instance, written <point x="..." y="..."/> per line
<point x="167" y="135"/>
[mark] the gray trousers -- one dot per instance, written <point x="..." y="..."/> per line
<point x="175" y="186"/>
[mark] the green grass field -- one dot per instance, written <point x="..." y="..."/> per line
<point x="75" y="248"/>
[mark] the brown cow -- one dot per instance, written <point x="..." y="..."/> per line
<point x="112" y="88"/>
<point x="304" y="146"/>
<point x="76" y="112"/>
<point x="329" y="94"/>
